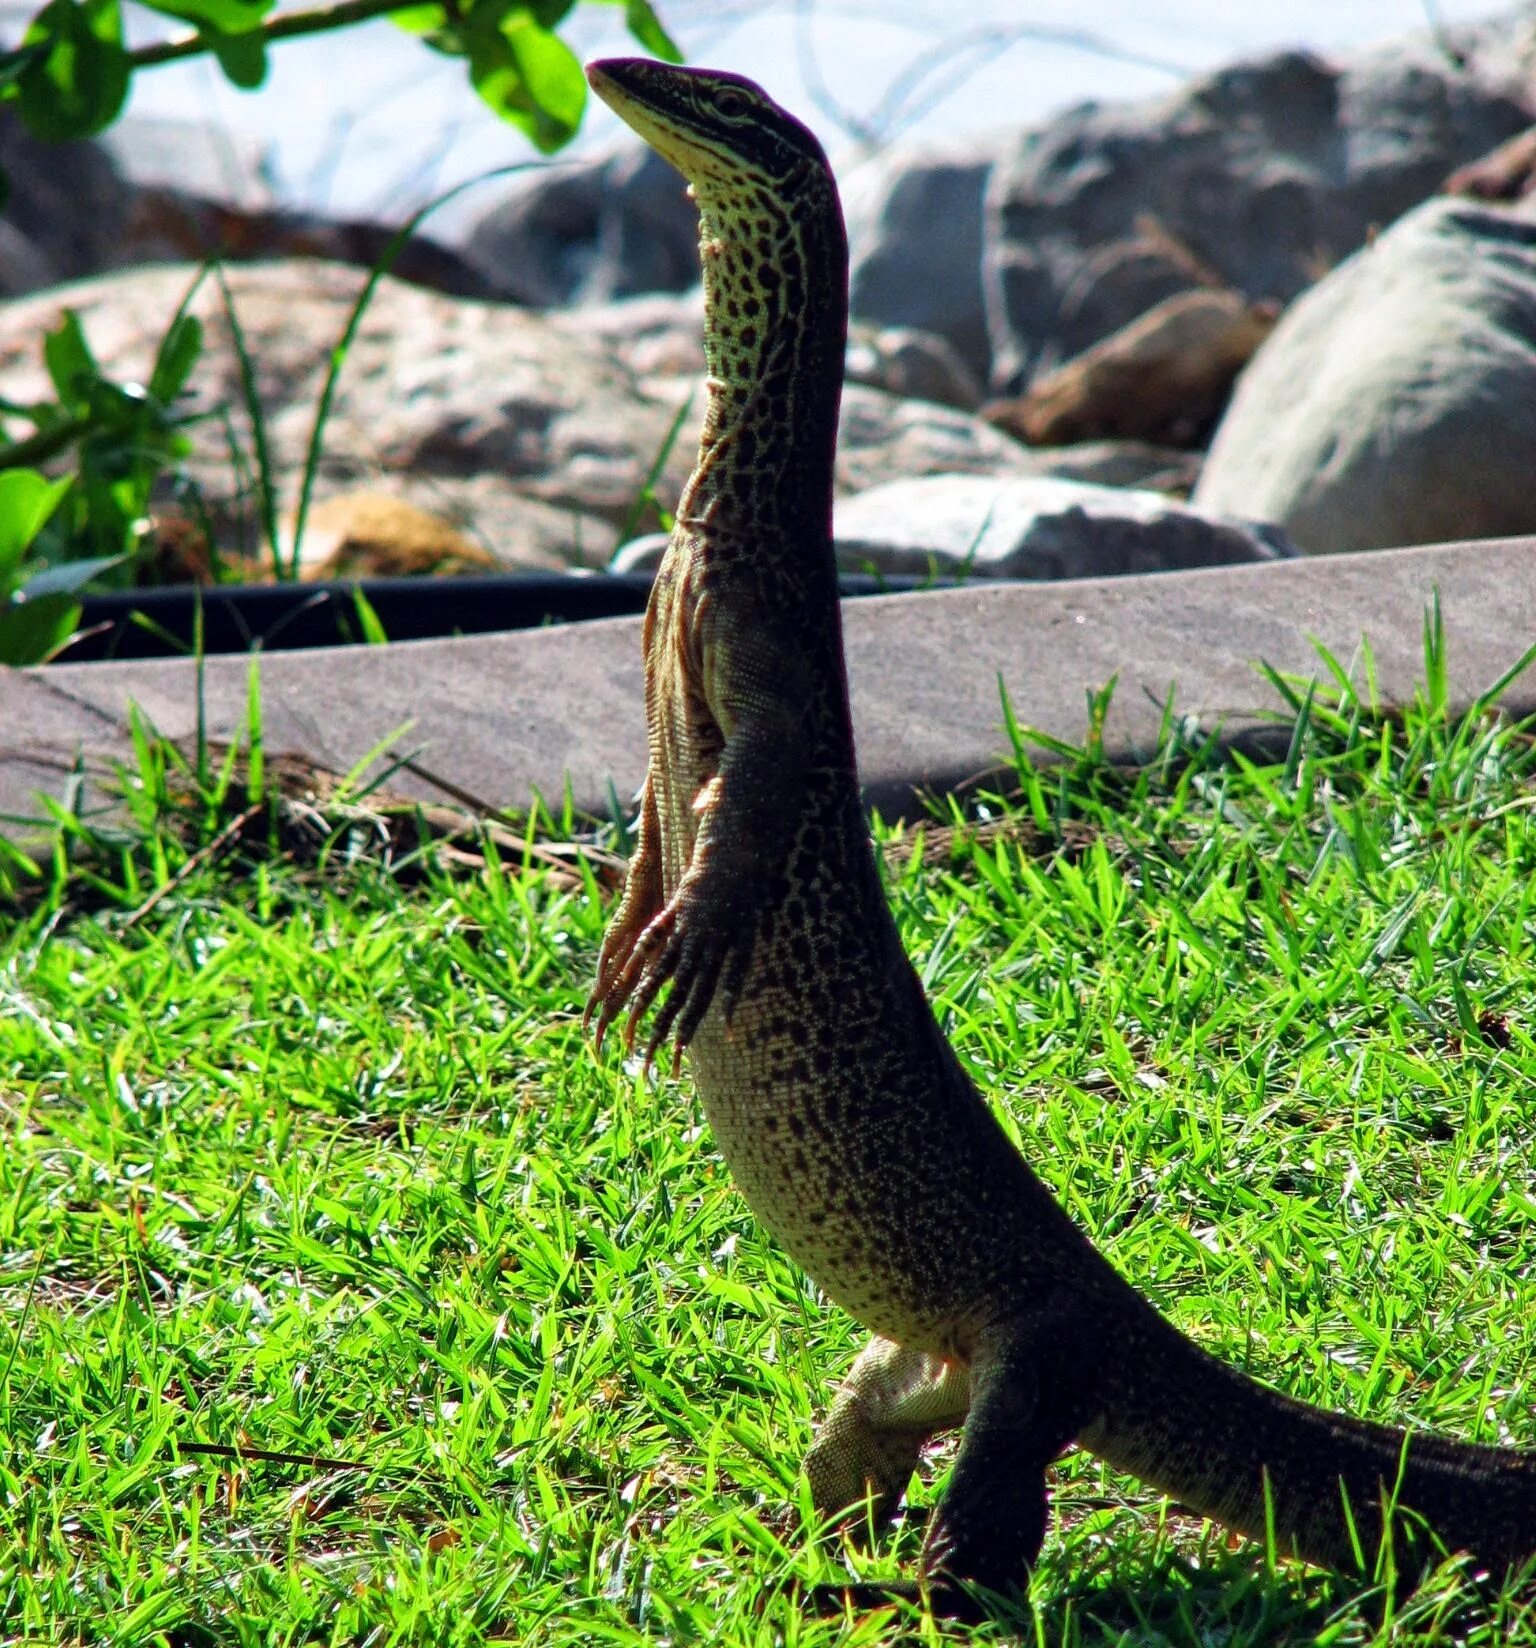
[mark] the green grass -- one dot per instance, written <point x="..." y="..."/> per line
<point x="308" y="1155"/>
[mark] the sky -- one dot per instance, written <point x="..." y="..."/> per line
<point x="369" y="123"/>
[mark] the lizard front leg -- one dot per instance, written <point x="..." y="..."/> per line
<point x="639" y="906"/>
<point x="745" y="815"/>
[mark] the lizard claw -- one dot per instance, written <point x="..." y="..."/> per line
<point x="701" y="963"/>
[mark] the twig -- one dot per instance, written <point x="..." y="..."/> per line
<point x="483" y="809"/>
<point x="316" y="1461"/>
<point x="200" y="857"/>
<point x="289" y="25"/>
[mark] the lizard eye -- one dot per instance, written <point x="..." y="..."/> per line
<point x="730" y="104"/>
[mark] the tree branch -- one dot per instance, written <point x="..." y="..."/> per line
<point x="288" y="25"/>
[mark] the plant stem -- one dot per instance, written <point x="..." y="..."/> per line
<point x="289" y="25"/>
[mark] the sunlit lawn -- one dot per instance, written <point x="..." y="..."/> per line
<point x="309" y="1158"/>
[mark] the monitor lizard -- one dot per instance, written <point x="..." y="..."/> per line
<point x="753" y="921"/>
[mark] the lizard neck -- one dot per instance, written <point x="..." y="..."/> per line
<point x="775" y="329"/>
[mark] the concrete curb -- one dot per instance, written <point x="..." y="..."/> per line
<point x="504" y="716"/>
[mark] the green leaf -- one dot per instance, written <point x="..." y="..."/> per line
<point x="531" y="78"/>
<point x="177" y="355"/>
<point x="80" y="84"/>
<point x="16" y="62"/>
<point x="215" y="16"/>
<point x="642" y="22"/>
<point x="428" y="19"/>
<point x="548" y="14"/>
<point x="32" y="631"/>
<point x="70" y="362"/>
<point x="68" y="577"/>
<point x="243" y="58"/>
<point x="27" y="499"/>
<point x="368" y="618"/>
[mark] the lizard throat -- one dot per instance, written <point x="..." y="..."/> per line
<point x="774" y="335"/>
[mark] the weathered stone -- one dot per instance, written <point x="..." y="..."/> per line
<point x="1032" y="527"/>
<point x="588" y="231"/>
<point x="195" y="157"/>
<point x="1164" y="378"/>
<point x="882" y="438"/>
<point x="661" y="334"/>
<point x="658" y="334"/>
<point x="66" y="211"/>
<point x="464" y="408"/>
<point x="1258" y="176"/>
<point x="1396" y="402"/>
<point x="372" y="535"/>
<point x="917" y="365"/>
<point x="915" y="237"/>
<point x="167" y="225"/>
<point x="1137" y="464"/>
<point x="1509" y="173"/>
<point x="1038" y="527"/>
<point x="560" y="711"/>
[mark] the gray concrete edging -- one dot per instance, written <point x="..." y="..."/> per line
<point x="503" y="716"/>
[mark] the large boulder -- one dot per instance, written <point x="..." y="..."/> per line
<point x="1396" y="402"/>
<point x="1164" y="378"/>
<point x="1259" y="176"/>
<point x="526" y="431"/>
<point x="914" y="236"/>
<point x="1034" y="527"/>
<point x="589" y="231"/>
<point x="522" y="430"/>
<point x="66" y="211"/>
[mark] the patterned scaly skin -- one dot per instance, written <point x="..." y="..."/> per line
<point x="846" y="1119"/>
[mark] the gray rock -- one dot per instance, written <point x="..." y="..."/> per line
<point x="1258" y="176"/>
<point x="882" y="438"/>
<point x="915" y="237"/>
<point x="464" y="408"/>
<point x="918" y="365"/>
<point x="589" y="231"/>
<point x="67" y="208"/>
<point x="1037" y="527"/>
<point x="194" y="157"/>
<point x="1396" y="402"/>
<point x="657" y="334"/>
<point x="1139" y="464"/>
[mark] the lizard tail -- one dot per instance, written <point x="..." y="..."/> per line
<point x="1328" y="1488"/>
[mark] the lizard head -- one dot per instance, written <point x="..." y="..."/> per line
<point x="721" y="131"/>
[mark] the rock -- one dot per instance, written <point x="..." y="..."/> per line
<point x="194" y="157"/>
<point x="1509" y="173"/>
<point x="883" y="439"/>
<point x="24" y="265"/>
<point x="658" y="334"/>
<point x="1035" y="528"/>
<point x="1259" y="177"/>
<point x="1395" y="403"/>
<point x="79" y="209"/>
<point x="67" y="207"/>
<point x="917" y="365"/>
<point x="171" y="226"/>
<point x="589" y="231"/>
<point x="1163" y="378"/>
<point x="915" y="236"/>
<point x="966" y="526"/>
<point x="524" y="432"/>
<point x="661" y="334"/>
<point x="1136" y="464"/>
<point x="372" y="535"/>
